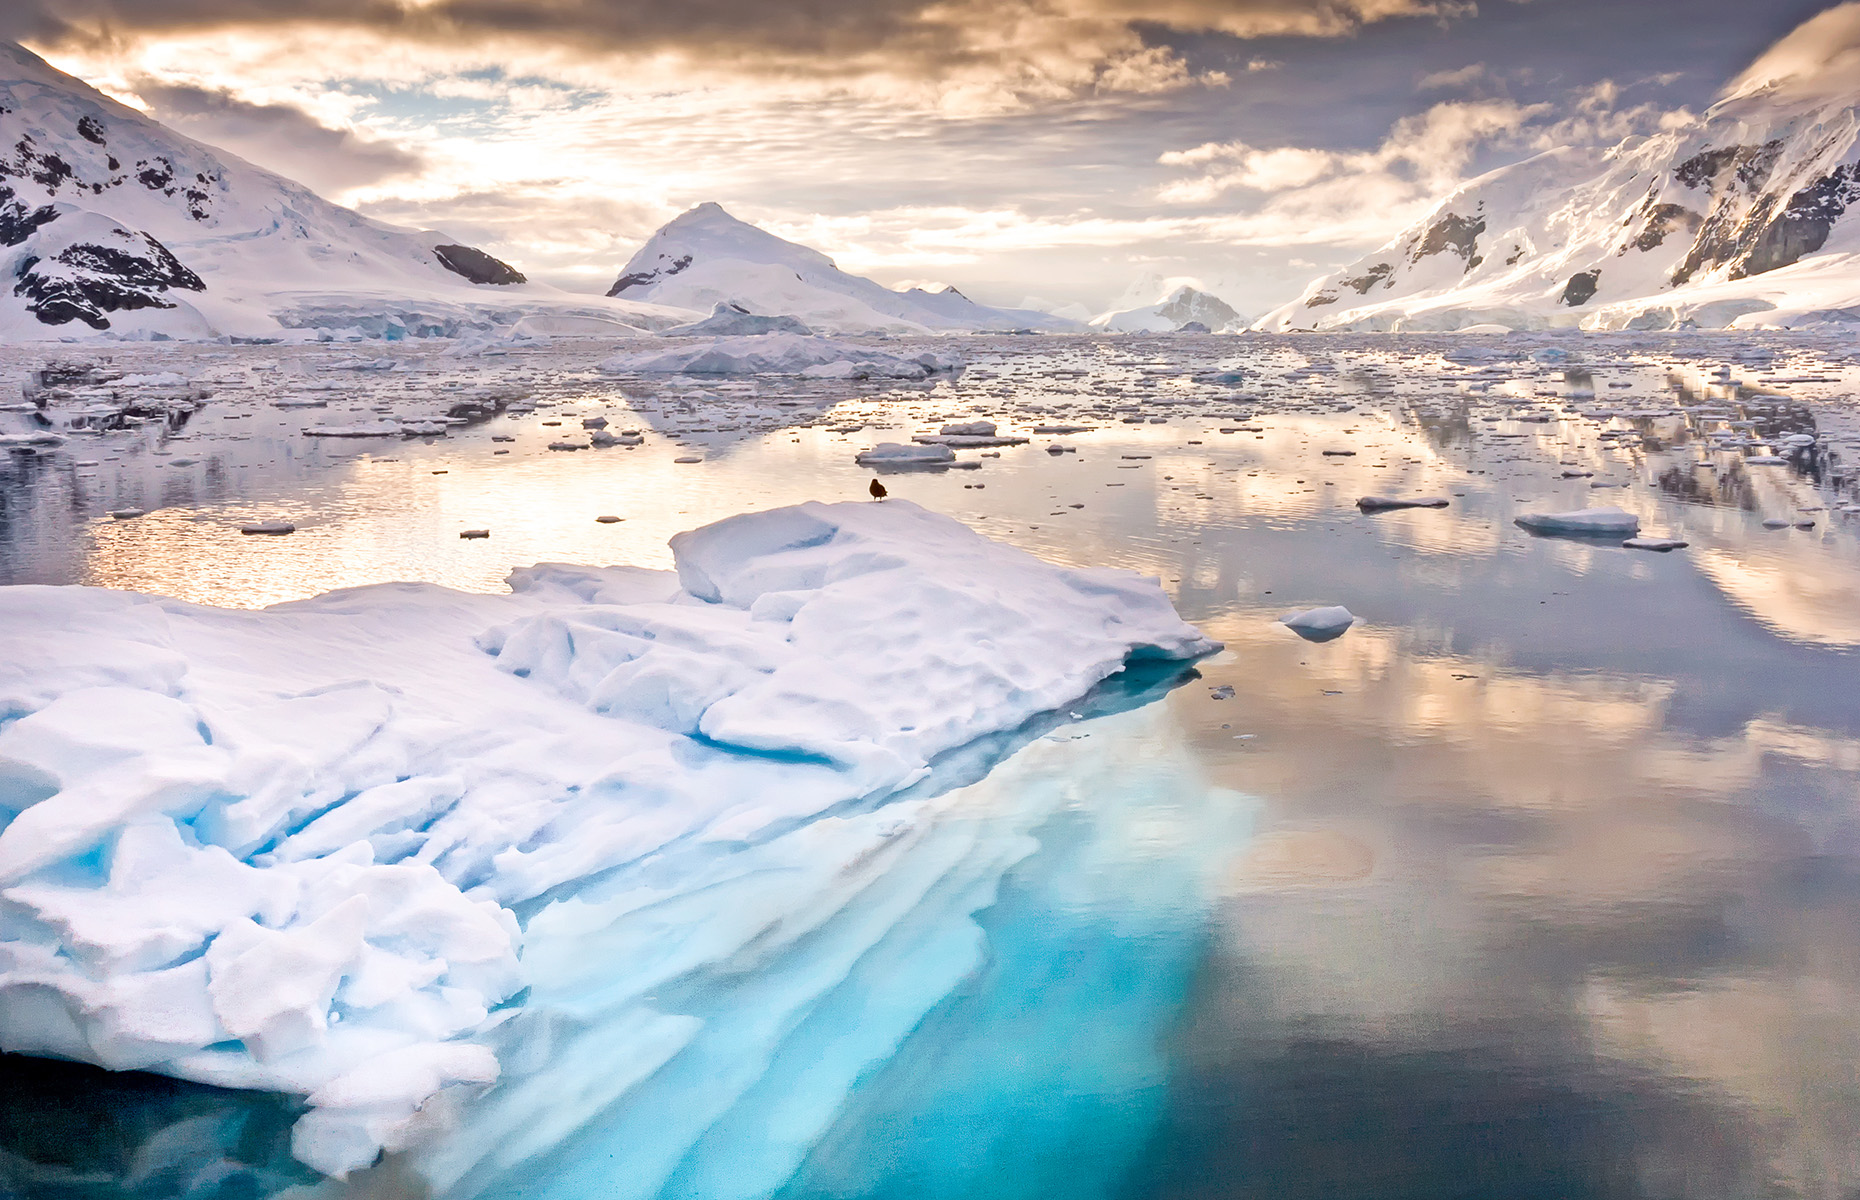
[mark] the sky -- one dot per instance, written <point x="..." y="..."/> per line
<point x="1068" y="152"/>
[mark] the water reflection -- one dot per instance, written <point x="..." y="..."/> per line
<point x="1540" y="881"/>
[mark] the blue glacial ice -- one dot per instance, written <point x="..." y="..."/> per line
<point x="494" y="875"/>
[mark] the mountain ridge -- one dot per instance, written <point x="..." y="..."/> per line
<point x="111" y="223"/>
<point x="1737" y="218"/>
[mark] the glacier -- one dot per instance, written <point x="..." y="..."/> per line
<point x="341" y="848"/>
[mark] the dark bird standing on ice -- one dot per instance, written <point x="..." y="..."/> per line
<point x="877" y="489"/>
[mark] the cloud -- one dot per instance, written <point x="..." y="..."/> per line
<point x="1422" y="154"/>
<point x="1819" y="59"/>
<point x="1448" y="80"/>
<point x="282" y="137"/>
<point x="976" y="50"/>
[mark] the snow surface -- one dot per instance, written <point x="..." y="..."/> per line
<point x="288" y="849"/>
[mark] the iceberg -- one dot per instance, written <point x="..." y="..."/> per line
<point x="303" y="849"/>
<point x="783" y="354"/>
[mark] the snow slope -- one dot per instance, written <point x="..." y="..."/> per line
<point x="706" y="257"/>
<point x="1739" y="218"/>
<point x="1183" y="306"/>
<point x="110" y="222"/>
<point x="288" y="849"/>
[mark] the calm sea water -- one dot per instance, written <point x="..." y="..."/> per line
<point x="1542" y="881"/>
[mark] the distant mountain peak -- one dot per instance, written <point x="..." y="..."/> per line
<point x="705" y="256"/>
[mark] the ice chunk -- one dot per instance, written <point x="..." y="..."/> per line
<point x="1654" y="543"/>
<point x="1380" y="503"/>
<point x="1319" y="624"/>
<point x="899" y="455"/>
<point x="1598" y="522"/>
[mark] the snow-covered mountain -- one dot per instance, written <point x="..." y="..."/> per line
<point x="1183" y="308"/>
<point x="706" y="257"/>
<point x="1740" y="217"/>
<point x="111" y="223"/>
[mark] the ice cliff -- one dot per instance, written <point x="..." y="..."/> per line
<point x="296" y="848"/>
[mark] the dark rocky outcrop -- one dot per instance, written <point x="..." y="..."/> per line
<point x="85" y="280"/>
<point x="1803" y="226"/>
<point x="1663" y="219"/>
<point x="17" y="222"/>
<point x="642" y="278"/>
<point x="1382" y="273"/>
<point x="477" y="266"/>
<point x="1581" y="288"/>
<point x="1452" y="232"/>
<point x="1321" y="299"/>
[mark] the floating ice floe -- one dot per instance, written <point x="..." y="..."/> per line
<point x="1600" y="522"/>
<point x="1655" y="543"/>
<point x="1319" y="624"/>
<point x="783" y="354"/>
<point x="896" y="454"/>
<point x="971" y="435"/>
<point x="286" y="849"/>
<point x="371" y="430"/>
<point x="1381" y="503"/>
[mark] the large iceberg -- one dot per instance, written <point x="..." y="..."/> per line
<point x="783" y="354"/>
<point x="296" y="849"/>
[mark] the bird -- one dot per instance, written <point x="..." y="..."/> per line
<point x="877" y="489"/>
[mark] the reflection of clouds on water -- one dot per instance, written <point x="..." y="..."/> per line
<point x="1570" y="899"/>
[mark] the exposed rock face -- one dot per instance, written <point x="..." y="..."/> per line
<point x="1452" y="232"/>
<point x="17" y="221"/>
<point x="1378" y="273"/>
<point x="476" y="265"/>
<point x="646" y="278"/>
<point x="103" y="269"/>
<point x="1581" y="288"/>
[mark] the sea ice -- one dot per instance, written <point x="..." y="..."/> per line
<point x="1380" y="503"/>
<point x="896" y="454"/>
<point x="1599" y="522"/>
<point x="288" y="849"/>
